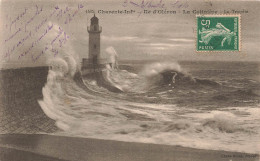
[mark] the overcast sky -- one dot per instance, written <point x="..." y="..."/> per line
<point x="164" y="37"/>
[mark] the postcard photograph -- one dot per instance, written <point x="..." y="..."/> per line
<point x="129" y="80"/>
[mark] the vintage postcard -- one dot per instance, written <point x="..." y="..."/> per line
<point x="129" y="80"/>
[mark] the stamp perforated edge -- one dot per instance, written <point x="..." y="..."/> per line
<point x="219" y="51"/>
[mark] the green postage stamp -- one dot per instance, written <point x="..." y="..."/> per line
<point x="218" y="33"/>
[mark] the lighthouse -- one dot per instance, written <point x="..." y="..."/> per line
<point x="93" y="63"/>
<point x="94" y="42"/>
<point x="94" y="67"/>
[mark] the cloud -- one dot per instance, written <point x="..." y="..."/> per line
<point x="158" y="48"/>
<point x="182" y="40"/>
<point x="123" y="38"/>
<point x="161" y="45"/>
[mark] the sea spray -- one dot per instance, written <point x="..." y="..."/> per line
<point x="158" y="67"/>
<point x="112" y="57"/>
<point x="63" y="66"/>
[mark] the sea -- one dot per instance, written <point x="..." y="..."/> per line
<point x="199" y="104"/>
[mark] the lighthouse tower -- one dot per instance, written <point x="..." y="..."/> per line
<point x="94" y="43"/>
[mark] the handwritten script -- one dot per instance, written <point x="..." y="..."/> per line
<point x="155" y="4"/>
<point x="26" y="30"/>
<point x="145" y="5"/>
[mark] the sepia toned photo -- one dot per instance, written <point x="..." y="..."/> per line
<point x="129" y="80"/>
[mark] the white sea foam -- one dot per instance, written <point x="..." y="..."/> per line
<point x="97" y="114"/>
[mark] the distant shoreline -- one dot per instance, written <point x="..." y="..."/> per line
<point x="19" y="68"/>
<point x="124" y="61"/>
